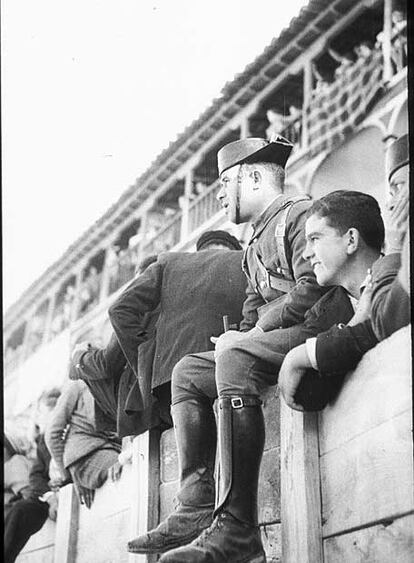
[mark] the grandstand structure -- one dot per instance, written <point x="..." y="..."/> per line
<point x="334" y="82"/>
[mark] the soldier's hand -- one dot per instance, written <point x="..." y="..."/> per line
<point x="226" y="341"/>
<point x="396" y="221"/>
<point x="293" y="368"/>
<point x="363" y="310"/>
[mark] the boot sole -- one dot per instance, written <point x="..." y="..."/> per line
<point x="169" y="547"/>
<point x="258" y="559"/>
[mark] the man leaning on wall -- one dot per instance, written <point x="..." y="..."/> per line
<point x="384" y="306"/>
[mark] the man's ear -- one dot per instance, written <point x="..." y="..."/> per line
<point x="353" y="240"/>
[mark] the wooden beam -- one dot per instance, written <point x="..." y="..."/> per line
<point x="300" y="487"/>
<point x="66" y="526"/>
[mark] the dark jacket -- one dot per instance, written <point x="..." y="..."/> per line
<point x="268" y="307"/>
<point x="39" y="473"/>
<point x="115" y="388"/>
<point x="339" y="349"/>
<point x="193" y="291"/>
<point x="390" y="304"/>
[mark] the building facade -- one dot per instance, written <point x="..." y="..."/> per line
<point x="334" y="83"/>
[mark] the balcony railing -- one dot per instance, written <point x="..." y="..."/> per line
<point x="330" y="116"/>
<point x="124" y="269"/>
<point x="165" y="238"/>
<point x="203" y="208"/>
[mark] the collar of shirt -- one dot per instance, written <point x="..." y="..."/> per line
<point x="268" y="213"/>
<point x="354" y="301"/>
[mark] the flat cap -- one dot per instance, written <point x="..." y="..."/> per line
<point x="397" y="155"/>
<point x="254" y="149"/>
<point x="218" y="237"/>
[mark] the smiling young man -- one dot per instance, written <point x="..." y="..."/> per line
<point x="344" y="238"/>
<point x="384" y="306"/>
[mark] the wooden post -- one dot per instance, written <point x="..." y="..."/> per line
<point x="386" y="43"/>
<point x="139" y="496"/>
<point x="300" y="487"/>
<point x="145" y="496"/>
<point x="66" y="526"/>
<point x="307" y="89"/>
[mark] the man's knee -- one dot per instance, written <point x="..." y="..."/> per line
<point x="182" y="371"/>
<point x="231" y="367"/>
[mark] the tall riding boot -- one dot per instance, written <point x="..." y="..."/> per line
<point x="196" y="438"/>
<point x="234" y="536"/>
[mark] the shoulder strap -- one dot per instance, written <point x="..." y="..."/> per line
<point x="280" y="236"/>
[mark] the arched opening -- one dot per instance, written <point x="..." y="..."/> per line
<point x="356" y="165"/>
<point x="400" y="125"/>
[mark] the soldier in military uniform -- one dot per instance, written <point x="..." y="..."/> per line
<point x="281" y="289"/>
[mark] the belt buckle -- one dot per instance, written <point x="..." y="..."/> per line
<point x="237" y="403"/>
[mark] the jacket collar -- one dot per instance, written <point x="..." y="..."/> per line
<point x="268" y="214"/>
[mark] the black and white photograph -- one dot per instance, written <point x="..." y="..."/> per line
<point x="207" y="349"/>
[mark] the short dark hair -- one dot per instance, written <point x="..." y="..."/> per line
<point x="345" y="209"/>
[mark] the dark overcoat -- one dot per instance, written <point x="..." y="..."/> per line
<point x="193" y="292"/>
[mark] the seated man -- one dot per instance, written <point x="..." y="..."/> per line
<point x="192" y="292"/>
<point x="242" y="374"/>
<point x="81" y="452"/>
<point x="16" y="470"/>
<point x="26" y="516"/>
<point x="111" y="380"/>
<point x="384" y="306"/>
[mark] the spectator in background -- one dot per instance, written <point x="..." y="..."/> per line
<point x="16" y="469"/>
<point x="112" y="382"/>
<point x="384" y="306"/>
<point x="390" y="303"/>
<point x="363" y="50"/>
<point x="28" y="515"/>
<point x="81" y="452"/>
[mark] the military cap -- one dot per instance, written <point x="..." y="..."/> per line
<point x="254" y="149"/>
<point x="218" y="237"/>
<point x="397" y="155"/>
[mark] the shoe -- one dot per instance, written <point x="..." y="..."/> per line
<point x="196" y="437"/>
<point x="180" y="528"/>
<point x="227" y="540"/>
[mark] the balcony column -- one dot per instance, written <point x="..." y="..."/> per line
<point x="106" y="276"/>
<point x="142" y="231"/>
<point x="386" y="43"/>
<point x="244" y="128"/>
<point x="307" y="89"/>
<point x="188" y="189"/>
<point x="49" y="317"/>
<point x="76" y="300"/>
<point x="25" y="344"/>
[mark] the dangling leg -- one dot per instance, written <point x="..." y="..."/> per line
<point x="196" y="437"/>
